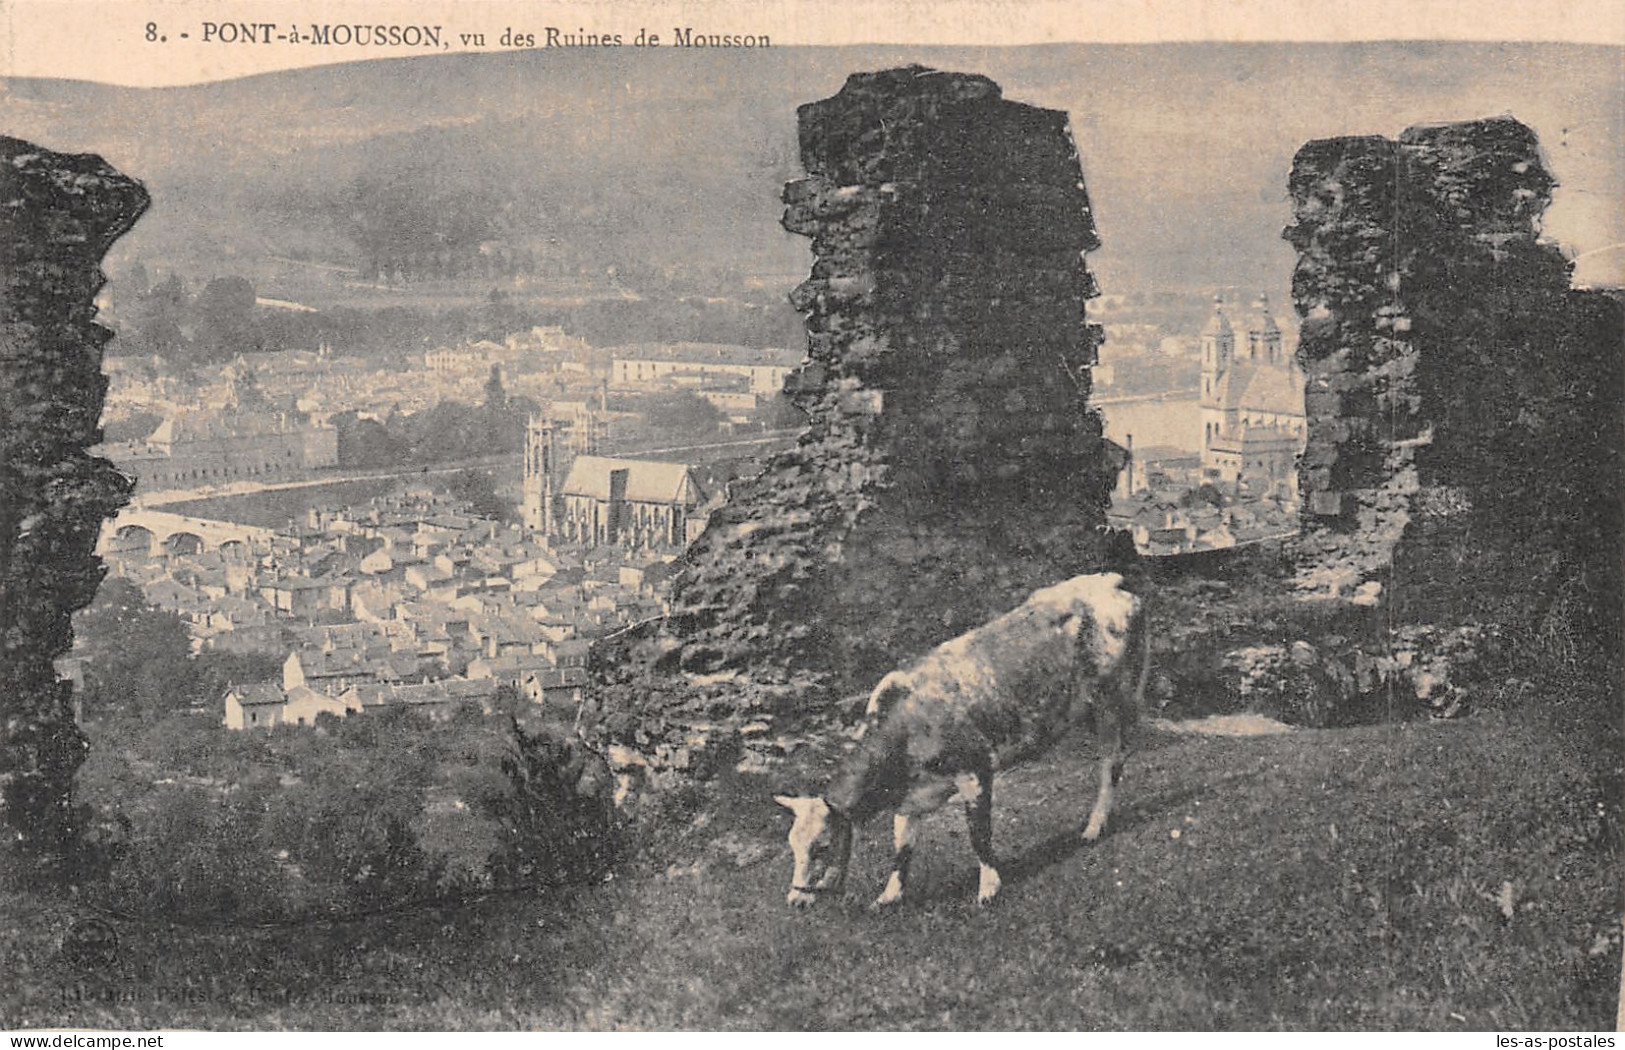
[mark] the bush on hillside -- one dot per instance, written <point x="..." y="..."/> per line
<point x="353" y="815"/>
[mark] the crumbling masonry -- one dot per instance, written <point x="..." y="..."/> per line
<point x="1462" y="401"/>
<point x="1460" y="476"/>
<point x="951" y="462"/>
<point x="58" y="216"/>
<point x="1460" y="479"/>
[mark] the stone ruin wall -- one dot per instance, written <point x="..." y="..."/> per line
<point x="1461" y="464"/>
<point x="58" y="216"/>
<point x="951" y="462"/>
<point x="1462" y="400"/>
<point x="1461" y="471"/>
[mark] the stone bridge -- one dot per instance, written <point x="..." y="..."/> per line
<point x="160" y="533"/>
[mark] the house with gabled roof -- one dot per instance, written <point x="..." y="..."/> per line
<point x="439" y="700"/>
<point x="512" y="668"/>
<point x="264" y="705"/>
<point x="254" y="705"/>
<point x="557" y="691"/>
<point x="333" y="672"/>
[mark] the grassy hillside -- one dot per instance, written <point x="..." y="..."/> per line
<point x="1413" y="876"/>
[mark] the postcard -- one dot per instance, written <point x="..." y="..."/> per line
<point x="544" y="516"/>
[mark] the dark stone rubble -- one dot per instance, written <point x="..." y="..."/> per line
<point x="59" y="213"/>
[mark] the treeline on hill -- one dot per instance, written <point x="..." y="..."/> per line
<point x="193" y="323"/>
<point x="189" y="819"/>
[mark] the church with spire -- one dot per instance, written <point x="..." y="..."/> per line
<point x="1253" y="420"/>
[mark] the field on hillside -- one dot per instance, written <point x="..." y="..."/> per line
<point x="1451" y="875"/>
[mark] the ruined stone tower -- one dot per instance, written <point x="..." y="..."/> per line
<point x="1462" y="401"/>
<point x="59" y="214"/>
<point x="951" y="462"/>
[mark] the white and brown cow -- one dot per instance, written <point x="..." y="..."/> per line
<point x="978" y="703"/>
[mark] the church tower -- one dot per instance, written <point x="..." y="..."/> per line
<point x="588" y="433"/>
<point x="541" y="474"/>
<point x="1218" y="355"/>
<point x="1218" y="350"/>
<point x="1263" y="334"/>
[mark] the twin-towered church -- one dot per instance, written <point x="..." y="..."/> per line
<point x="1251" y="403"/>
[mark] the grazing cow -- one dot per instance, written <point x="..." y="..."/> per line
<point x="981" y="702"/>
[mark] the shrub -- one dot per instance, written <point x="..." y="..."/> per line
<point x="354" y="815"/>
<point x="556" y="814"/>
<point x="193" y="849"/>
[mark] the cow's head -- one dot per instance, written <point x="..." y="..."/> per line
<point x="821" y="840"/>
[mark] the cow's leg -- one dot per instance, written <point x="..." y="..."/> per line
<point x="902" y="840"/>
<point x="925" y="798"/>
<point x="1109" y="736"/>
<point x="978" y="791"/>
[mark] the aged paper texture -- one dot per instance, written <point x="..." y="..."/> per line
<point x="534" y="515"/>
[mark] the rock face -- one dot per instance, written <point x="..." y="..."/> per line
<point x="58" y="216"/>
<point x="951" y="462"/>
<point x="1462" y="400"/>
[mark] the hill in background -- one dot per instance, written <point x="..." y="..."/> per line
<point x="666" y="166"/>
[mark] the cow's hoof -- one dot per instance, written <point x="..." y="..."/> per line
<point x="800" y="899"/>
<point x="891" y="896"/>
<point x="1092" y="832"/>
<point x="988" y="888"/>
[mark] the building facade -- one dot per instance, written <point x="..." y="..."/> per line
<point x="764" y="369"/>
<point x="642" y="504"/>
<point x="212" y="447"/>
<point x="553" y="439"/>
<point x="1253" y="419"/>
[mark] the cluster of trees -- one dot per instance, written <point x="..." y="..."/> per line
<point x="475" y="263"/>
<point x="216" y="323"/>
<point x="443" y="239"/>
<point x="193" y="818"/>
<point x="139" y="664"/>
<point x="353" y="814"/>
<point x="681" y="415"/>
<point x="191" y="323"/>
<point x="448" y="432"/>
